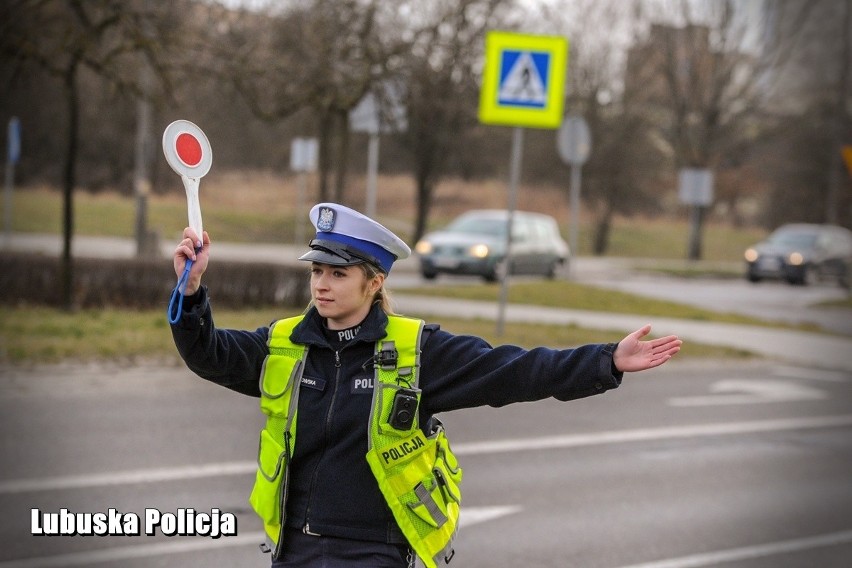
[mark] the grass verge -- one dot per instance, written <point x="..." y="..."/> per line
<point x="258" y="207"/>
<point x="44" y="335"/>
<point x="574" y="296"/>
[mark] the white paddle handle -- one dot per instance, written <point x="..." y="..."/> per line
<point x="193" y="205"/>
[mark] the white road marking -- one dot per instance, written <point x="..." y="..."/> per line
<point x="471" y="448"/>
<point x="732" y="555"/>
<point x="812" y="374"/>
<point x="648" y="434"/>
<point x="470" y="516"/>
<point x="750" y="391"/>
<point x="474" y="515"/>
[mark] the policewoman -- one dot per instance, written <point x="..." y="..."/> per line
<point x="354" y="470"/>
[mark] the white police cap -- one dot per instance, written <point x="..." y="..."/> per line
<point x="346" y="237"/>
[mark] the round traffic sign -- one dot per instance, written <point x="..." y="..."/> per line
<point x="574" y="141"/>
<point x="187" y="149"/>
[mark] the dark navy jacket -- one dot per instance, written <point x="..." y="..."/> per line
<point x="332" y="491"/>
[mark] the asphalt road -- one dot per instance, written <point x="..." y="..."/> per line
<point x="688" y="465"/>
<point x="693" y="464"/>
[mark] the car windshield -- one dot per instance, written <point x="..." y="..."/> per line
<point x="478" y="226"/>
<point x="793" y="238"/>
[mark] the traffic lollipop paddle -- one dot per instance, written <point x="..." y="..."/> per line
<point x="188" y="153"/>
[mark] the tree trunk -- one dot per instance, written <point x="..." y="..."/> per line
<point x="68" y="181"/>
<point x="342" y="155"/>
<point x="602" y="230"/>
<point x="696" y="220"/>
<point x="425" y="189"/>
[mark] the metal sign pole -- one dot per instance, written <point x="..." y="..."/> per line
<point x="574" y="143"/>
<point x="695" y="188"/>
<point x="523" y="85"/>
<point x="379" y="112"/>
<point x="302" y="191"/>
<point x="514" y="178"/>
<point x="7" y="209"/>
<point x="576" y="177"/>
<point x="304" y="153"/>
<point x="372" y="173"/>
<point x="12" y="155"/>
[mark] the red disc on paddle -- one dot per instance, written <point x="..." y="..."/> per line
<point x="188" y="149"/>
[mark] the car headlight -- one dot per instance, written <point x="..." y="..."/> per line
<point x="423" y="247"/>
<point x="751" y="255"/>
<point x="795" y="258"/>
<point x="478" y="251"/>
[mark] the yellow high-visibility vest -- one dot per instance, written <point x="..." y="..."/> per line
<point x="417" y="473"/>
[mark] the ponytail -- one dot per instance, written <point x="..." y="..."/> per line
<point x="382" y="296"/>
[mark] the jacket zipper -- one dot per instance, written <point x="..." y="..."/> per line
<point x="282" y="500"/>
<point x="307" y="528"/>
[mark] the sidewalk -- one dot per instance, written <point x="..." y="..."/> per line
<point x="118" y="247"/>
<point x="819" y="350"/>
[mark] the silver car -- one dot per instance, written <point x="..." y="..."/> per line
<point x="475" y="243"/>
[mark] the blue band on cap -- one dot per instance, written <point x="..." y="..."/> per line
<point x="384" y="257"/>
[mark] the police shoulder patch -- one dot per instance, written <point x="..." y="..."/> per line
<point x="362" y="384"/>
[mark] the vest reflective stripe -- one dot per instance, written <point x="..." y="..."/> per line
<point x="280" y="379"/>
<point x="417" y="474"/>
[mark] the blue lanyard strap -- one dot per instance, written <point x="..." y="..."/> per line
<point x="178" y="293"/>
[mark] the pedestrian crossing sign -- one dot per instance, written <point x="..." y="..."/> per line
<point x="523" y="83"/>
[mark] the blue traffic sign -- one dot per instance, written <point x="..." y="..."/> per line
<point x="524" y="78"/>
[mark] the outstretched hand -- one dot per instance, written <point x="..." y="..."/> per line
<point x="186" y="249"/>
<point x="633" y="354"/>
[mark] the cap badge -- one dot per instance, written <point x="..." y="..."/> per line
<point x="325" y="222"/>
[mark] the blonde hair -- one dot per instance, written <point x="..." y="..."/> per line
<point x="382" y="295"/>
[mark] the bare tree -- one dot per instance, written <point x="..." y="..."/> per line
<point x="626" y="160"/>
<point x="699" y="81"/>
<point x="64" y="38"/>
<point x="324" y="55"/>
<point x="439" y="77"/>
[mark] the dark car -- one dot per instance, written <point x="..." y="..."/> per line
<point x="802" y="253"/>
<point x="475" y="243"/>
